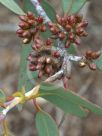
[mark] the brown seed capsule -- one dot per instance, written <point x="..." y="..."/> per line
<point x="71" y="37"/>
<point x="42" y="28"/>
<point x="79" y="31"/>
<point x="77" y="40"/>
<point x="48" y="69"/>
<point x="92" y="66"/>
<point x="67" y="45"/>
<point x="56" y="54"/>
<point x="68" y="27"/>
<point x="54" y="30"/>
<point x="50" y="24"/>
<point x="88" y="55"/>
<point x="95" y="55"/>
<point x="84" y="34"/>
<point x="39" y="66"/>
<point x="61" y="35"/>
<point x="83" y="24"/>
<point x="32" y="67"/>
<point x="48" y="41"/>
<point x="19" y="31"/>
<point x="40" y="74"/>
<point x="26" y="34"/>
<point x="78" y="18"/>
<point x="24" y="25"/>
<point x="40" y="19"/>
<point x="41" y="60"/>
<point x="72" y="20"/>
<point x="31" y="22"/>
<point x="30" y="15"/>
<point x="23" y="18"/>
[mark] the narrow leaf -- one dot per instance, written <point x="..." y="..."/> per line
<point x="46" y="125"/>
<point x="13" y="6"/>
<point x="2" y="96"/>
<point x="28" y="6"/>
<point x="72" y="6"/>
<point x="64" y="99"/>
<point x="26" y="77"/>
<point x="49" y="10"/>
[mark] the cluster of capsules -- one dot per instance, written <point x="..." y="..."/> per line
<point x="43" y="59"/>
<point x="88" y="60"/>
<point x="30" y="25"/>
<point x="69" y="29"/>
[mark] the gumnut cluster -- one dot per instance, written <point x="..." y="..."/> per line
<point x="89" y="57"/>
<point x="43" y="59"/>
<point x="29" y="26"/>
<point x="69" y="29"/>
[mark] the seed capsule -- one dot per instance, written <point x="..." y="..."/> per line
<point x="30" y="15"/>
<point x="42" y="28"/>
<point x="32" y="67"/>
<point x="92" y="66"/>
<point x="61" y="36"/>
<point x="24" y="25"/>
<point x="56" y="54"/>
<point x="67" y="45"/>
<point x="23" y="18"/>
<point x="26" y="34"/>
<point x="48" y="41"/>
<point x="40" y="74"/>
<point x="68" y="27"/>
<point x="40" y="19"/>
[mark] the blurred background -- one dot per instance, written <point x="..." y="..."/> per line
<point x="84" y="82"/>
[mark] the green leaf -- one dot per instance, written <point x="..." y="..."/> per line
<point x="28" y="6"/>
<point x="26" y="77"/>
<point x="72" y="6"/>
<point x="13" y="6"/>
<point x="49" y="10"/>
<point x="68" y="101"/>
<point x="2" y="96"/>
<point x="46" y="125"/>
<point x="98" y="62"/>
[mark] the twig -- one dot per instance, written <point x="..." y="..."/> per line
<point x="40" y="10"/>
